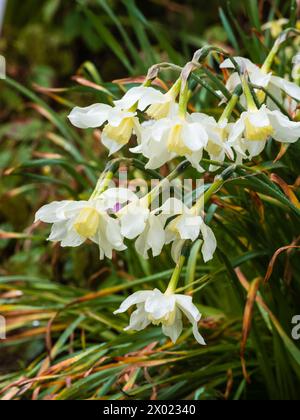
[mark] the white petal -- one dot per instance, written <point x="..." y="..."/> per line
<point x="204" y="119"/>
<point x="117" y="115"/>
<point x="255" y="148"/>
<point x="159" y="305"/>
<point x="288" y="87"/>
<point x="286" y="131"/>
<point x="141" y="245"/>
<point x="110" y="144"/>
<point x="72" y="240"/>
<point x="51" y="213"/>
<point x="114" y="196"/>
<point x="131" y="97"/>
<point x="113" y="232"/>
<point x="59" y="231"/>
<point x="244" y="63"/>
<point x="156" y="235"/>
<point x="190" y="310"/>
<point x="195" y="159"/>
<point x="136" y="298"/>
<point x="259" y="78"/>
<point x="176" y="249"/>
<point x="173" y="207"/>
<point x="90" y="117"/>
<point x="237" y="131"/>
<point x="194" y="136"/>
<point x="210" y="243"/>
<point x="259" y="118"/>
<point x="151" y="96"/>
<point x="175" y="330"/>
<point x="156" y="162"/>
<point x="188" y="227"/>
<point x="138" y="320"/>
<point x="133" y="220"/>
<point x="233" y="82"/>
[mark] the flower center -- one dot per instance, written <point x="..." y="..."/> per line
<point x="122" y="133"/>
<point x="176" y="143"/>
<point x="214" y="148"/>
<point x="167" y="320"/>
<point x="87" y="223"/>
<point x="254" y="133"/>
<point x="159" y="111"/>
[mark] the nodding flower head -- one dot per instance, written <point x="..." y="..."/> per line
<point x="165" y="309"/>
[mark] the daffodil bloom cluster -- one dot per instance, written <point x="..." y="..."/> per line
<point x="170" y="131"/>
<point x="106" y="221"/>
<point x="260" y="107"/>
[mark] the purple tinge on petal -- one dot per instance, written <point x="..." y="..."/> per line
<point x="117" y="207"/>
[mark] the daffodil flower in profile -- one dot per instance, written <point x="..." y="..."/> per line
<point x="165" y="309"/>
<point x="120" y="121"/>
<point x="147" y="227"/>
<point x="175" y="136"/>
<point x="260" y="77"/>
<point x="74" y="222"/>
<point x="255" y="127"/>
<point x="187" y="226"/>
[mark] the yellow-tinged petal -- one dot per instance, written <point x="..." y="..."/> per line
<point x="87" y="222"/>
<point x="122" y="133"/>
<point x="159" y="111"/>
<point x="176" y="143"/>
<point x="256" y="133"/>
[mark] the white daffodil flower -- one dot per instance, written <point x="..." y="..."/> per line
<point x="275" y="85"/>
<point x="252" y="131"/>
<point x="162" y="309"/>
<point x="76" y="221"/>
<point x="137" y="221"/>
<point x="168" y="138"/>
<point x="120" y="120"/>
<point x="188" y="225"/>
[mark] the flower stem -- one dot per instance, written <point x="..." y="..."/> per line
<point x="231" y="104"/>
<point x="214" y="188"/>
<point x="178" y="269"/>
<point x="283" y="37"/>
<point x="247" y="91"/>
<point x="173" y="175"/>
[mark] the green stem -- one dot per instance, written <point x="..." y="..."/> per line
<point x="214" y="188"/>
<point x="179" y="170"/>
<point x="247" y="91"/>
<point x="178" y="269"/>
<point x="283" y="37"/>
<point x="231" y="105"/>
<point x="113" y="166"/>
